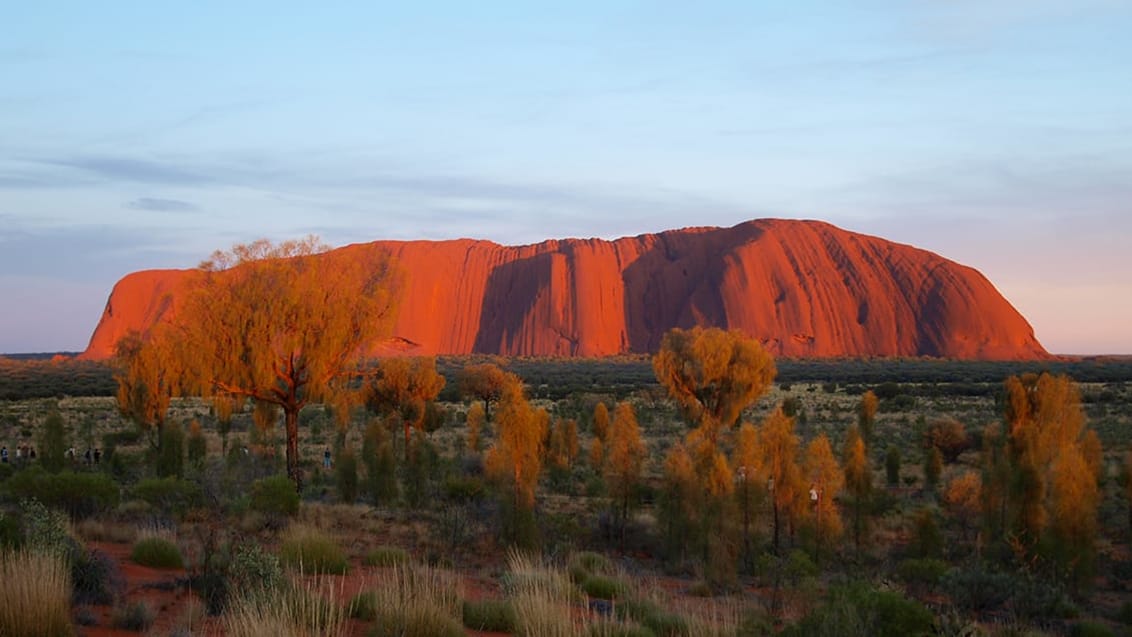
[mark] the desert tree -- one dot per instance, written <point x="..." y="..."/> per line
<point x="892" y="466"/>
<point x="53" y="443"/>
<point x="406" y="386"/>
<point x="485" y="382"/>
<point x="867" y="415"/>
<point x="825" y="478"/>
<point x="145" y="371"/>
<point x="679" y="501"/>
<point x="1074" y="497"/>
<point x="949" y="436"/>
<point x="933" y="467"/>
<point x="784" y="480"/>
<point x="713" y="375"/>
<point x="961" y="498"/>
<point x="475" y="423"/>
<point x="601" y="434"/>
<point x="750" y="489"/>
<point x="624" y="462"/>
<point x="858" y="482"/>
<point x="380" y="463"/>
<point x="562" y="445"/>
<point x="515" y="458"/>
<point x="197" y="447"/>
<point x="283" y="324"/>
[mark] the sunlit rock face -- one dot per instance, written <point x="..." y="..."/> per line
<point x="804" y="288"/>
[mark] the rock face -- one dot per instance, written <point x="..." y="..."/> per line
<point x="804" y="288"/>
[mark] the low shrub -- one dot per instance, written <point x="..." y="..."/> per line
<point x="617" y="629"/>
<point x="494" y="615"/>
<point x="156" y="551"/>
<point x="857" y="609"/>
<point x="412" y="600"/>
<point x="977" y="589"/>
<point x="35" y="598"/>
<point x="311" y="551"/>
<point x="922" y="574"/>
<point x="79" y="494"/>
<point x="1090" y="629"/>
<point x="253" y="569"/>
<point x="604" y="587"/>
<point x="287" y="610"/>
<point x="11" y="536"/>
<point x="386" y="556"/>
<point x="135" y="616"/>
<point x="276" y="496"/>
<point x="649" y="614"/>
<point x="96" y="578"/>
<point x="169" y="495"/>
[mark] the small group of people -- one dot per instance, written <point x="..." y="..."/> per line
<point x="24" y="453"/>
<point x="91" y="456"/>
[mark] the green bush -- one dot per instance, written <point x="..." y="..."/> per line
<point x="136" y="617"/>
<point x="96" y="578"/>
<point x="157" y="552"/>
<point x="494" y="615"/>
<point x="10" y="535"/>
<point x="275" y="496"/>
<point x="53" y="444"/>
<point x="346" y="476"/>
<point x="604" y="587"/>
<point x="922" y="574"/>
<point x="1090" y="629"/>
<point x="197" y="447"/>
<point x="650" y="615"/>
<point x="977" y="589"/>
<point x="169" y="495"/>
<point x="253" y="569"/>
<point x="613" y="629"/>
<point x="313" y="552"/>
<point x="386" y="556"/>
<point x="79" y="494"/>
<point x="857" y="609"/>
<point x="586" y="563"/>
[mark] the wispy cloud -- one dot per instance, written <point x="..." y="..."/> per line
<point x="161" y="205"/>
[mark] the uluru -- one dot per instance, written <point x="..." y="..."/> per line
<point x="806" y="289"/>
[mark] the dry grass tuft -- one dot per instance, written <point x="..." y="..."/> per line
<point x="413" y="600"/>
<point x="35" y="598"/>
<point x="299" y="610"/>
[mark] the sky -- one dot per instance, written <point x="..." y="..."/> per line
<point x="139" y="135"/>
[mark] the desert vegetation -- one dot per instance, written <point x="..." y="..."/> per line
<point x="710" y="490"/>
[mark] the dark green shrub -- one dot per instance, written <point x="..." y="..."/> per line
<point x="977" y="589"/>
<point x="464" y="488"/>
<point x="604" y="587"/>
<point x="157" y="552"/>
<point x="380" y="463"/>
<point x="53" y="444"/>
<point x="650" y="615"/>
<point x="136" y="617"/>
<point x="922" y="574"/>
<point x="79" y="494"/>
<point x="892" y="466"/>
<point x="197" y="447"/>
<point x="11" y="536"/>
<point x="170" y="458"/>
<point x="1090" y="629"/>
<point x="169" y="495"/>
<point x="275" y="496"/>
<point x="857" y="609"/>
<point x="346" y="476"/>
<point x="386" y="556"/>
<point x="254" y="569"/>
<point x="96" y="578"/>
<point x="494" y="615"/>
<point x="927" y="539"/>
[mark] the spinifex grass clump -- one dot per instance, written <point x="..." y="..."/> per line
<point x="494" y="615"/>
<point x="157" y="550"/>
<point x="412" y="600"/>
<point x="386" y="556"/>
<point x="309" y="550"/>
<point x="292" y="609"/>
<point x="35" y="595"/>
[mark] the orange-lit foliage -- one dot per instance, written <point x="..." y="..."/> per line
<point x="146" y="378"/>
<point x="681" y="497"/>
<point x="278" y="325"/>
<point x="949" y="436"/>
<point x="484" y="382"/>
<point x="475" y="422"/>
<point x="625" y="459"/>
<point x="783" y="475"/>
<point x="867" y="414"/>
<point x="713" y="375"/>
<point x="962" y="498"/>
<point x="750" y="482"/>
<point x="601" y="421"/>
<point x="563" y="447"/>
<point x="405" y="386"/>
<point x="515" y="458"/>
<point x="825" y="479"/>
<point x="858" y="480"/>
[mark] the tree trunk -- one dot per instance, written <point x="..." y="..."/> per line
<point x="291" y="418"/>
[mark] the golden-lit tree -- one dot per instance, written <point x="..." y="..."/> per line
<point x="750" y="482"/>
<point x="563" y="447"/>
<point x="515" y="457"/>
<point x="867" y="415"/>
<point x="1074" y="497"/>
<point x="601" y="421"/>
<point x="624" y="461"/>
<point x="283" y="325"/>
<point x="147" y="379"/>
<point x="962" y="498"/>
<point x="1093" y="453"/>
<point x="825" y="478"/>
<point x="680" y="500"/>
<point x="783" y="475"/>
<point x="713" y="375"/>
<point x="858" y="481"/>
<point x="405" y="386"/>
<point x="485" y="382"/>
<point x="475" y="422"/>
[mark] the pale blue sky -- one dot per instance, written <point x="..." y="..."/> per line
<point x="134" y="135"/>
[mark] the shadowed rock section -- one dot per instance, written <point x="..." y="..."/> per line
<point x="804" y="288"/>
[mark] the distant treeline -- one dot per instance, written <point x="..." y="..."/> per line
<point x="31" y="376"/>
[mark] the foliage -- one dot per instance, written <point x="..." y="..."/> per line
<point x="857" y="609"/>
<point x="310" y="551"/>
<point x="79" y="494"/>
<point x="169" y="495"/>
<point x="380" y="463"/>
<point x="53" y="443"/>
<point x="157" y="551"/>
<point x="275" y="495"/>
<point x="493" y="615"/>
<point x="977" y="589"/>
<point x="146" y="373"/>
<point x="45" y="530"/>
<point x="35" y="598"/>
<point x="858" y="482"/>
<point x="170" y="458"/>
<point x="412" y="601"/>
<point x="922" y="574"/>
<point x="298" y="609"/>
<point x="405" y="386"/>
<point x="867" y="414"/>
<point x="625" y="458"/>
<point x="133" y="616"/>
<point x="475" y="422"/>
<point x="713" y="375"/>
<point x="254" y="570"/>
<point x="783" y="475"/>
<point x="604" y="587"/>
<point x="197" y="447"/>
<point x="892" y="466"/>
<point x="949" y="436"/>
<point x="385" y="556"/>
<point x="279" y="324"/>
<point x="346" y="475"/>
<point x="826" y="480"/>
<point x="485" y="382"/>
<point x="514" y="461"/>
